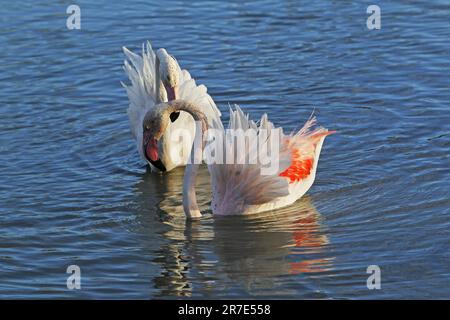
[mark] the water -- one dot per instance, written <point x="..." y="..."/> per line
<point x="74" y="191"/>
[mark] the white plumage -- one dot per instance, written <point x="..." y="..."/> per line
<point x="242" y="189"/>
<point x="239" y="187"/>
<point x="246" y="184"/>
<point x="143" y="94"/>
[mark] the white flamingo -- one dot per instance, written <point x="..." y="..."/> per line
<point x="157" y="78"/>
<point x="240" y="188"/>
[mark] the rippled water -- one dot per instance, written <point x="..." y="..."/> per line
<point x="74" y="191"/>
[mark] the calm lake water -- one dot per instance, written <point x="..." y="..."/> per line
<point x="74" y="191"/>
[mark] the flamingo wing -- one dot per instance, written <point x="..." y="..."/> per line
<point x="141" y="71"/>
<point x="303" y="146"/>
<point x="198" y="95"/>
<point x="240" y="185"/>
<point x="241" y="188"/>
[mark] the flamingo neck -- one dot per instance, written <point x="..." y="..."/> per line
<point x="190" y="175"/>
<point x="159" y="90"/>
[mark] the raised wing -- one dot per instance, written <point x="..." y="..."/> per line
<point x="303" y="146"/>
<point x="198" y="95"/>
<point x="242" y="184"/>
<point x="141" y="71"/>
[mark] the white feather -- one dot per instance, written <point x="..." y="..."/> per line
<point x="142" y="95"/>
<point x="242" y="189"/>
<point x="237" y="186"/>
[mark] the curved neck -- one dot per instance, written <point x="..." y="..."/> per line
<point x="190" y="174"/>
<point x="158" y="87"/>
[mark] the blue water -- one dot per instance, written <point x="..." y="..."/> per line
<point x="74" y="191"/>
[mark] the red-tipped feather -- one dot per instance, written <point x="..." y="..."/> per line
<point x="300" y="167"/>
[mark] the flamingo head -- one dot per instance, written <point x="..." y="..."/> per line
<point x="154" y="125"/>
<point x="169" y="73"/>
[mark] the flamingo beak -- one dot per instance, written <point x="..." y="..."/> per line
<point x="172" y="92"/>
<point x="151" y="151"/>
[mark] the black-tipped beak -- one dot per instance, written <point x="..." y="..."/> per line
<point x="158" y="164"/>
<point x="151" y="152"/>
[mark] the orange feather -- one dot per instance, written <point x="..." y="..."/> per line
<point x="300" y="167"/>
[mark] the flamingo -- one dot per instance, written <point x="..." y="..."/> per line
<point x="155" y="78"/>
<point x="241" y="188"/>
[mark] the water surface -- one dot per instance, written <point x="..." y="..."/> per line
<point x="74" y="191"/>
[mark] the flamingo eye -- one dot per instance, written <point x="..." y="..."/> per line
<point x="174" y="116"/>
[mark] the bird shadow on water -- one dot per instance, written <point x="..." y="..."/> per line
<point x="207" y="257"/>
